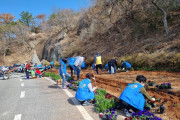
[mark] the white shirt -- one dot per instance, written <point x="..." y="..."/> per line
<point x="90" y="87"/>
<point x="79" y="61"/>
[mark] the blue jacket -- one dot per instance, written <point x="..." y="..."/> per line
<point x="83" y="92"/>
<point x="132" y="96"/>
<point x="71" y="61"/>
<point x="126" y="64"/>
<point x="48" y="67"/>
<point x="62" y="67"/>
<point x="52" y="63"/>
<point x="39" y="65"/>
<point x="106" y="66"/>
<point x="83" y="66"/>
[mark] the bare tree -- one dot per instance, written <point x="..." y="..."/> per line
<point x="164" y="17"/>
<point x="65" y="19"/>
<point x="42" y="17"/>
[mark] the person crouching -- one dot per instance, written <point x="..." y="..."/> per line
<point x="38" y="73"/>
<point x="85" y="90"/>
<point x="132" y="98"/>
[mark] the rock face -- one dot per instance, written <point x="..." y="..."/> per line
<point x="35" y="58"/>
<point x="53" y="47"/>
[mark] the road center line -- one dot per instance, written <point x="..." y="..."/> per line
<point x="18" y="117"/>
<point x="22" y="84"/>
<point x="22" y="94"/>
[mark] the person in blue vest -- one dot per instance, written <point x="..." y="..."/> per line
<point x="52" y="64"/>
<point x="126" y="66"/>
<point x="85" y="90"/>
<point x="63" y="73"/>
<point x="71" y="65"/>
<point x="132" y="98"/>
<point x="83" y="66"/>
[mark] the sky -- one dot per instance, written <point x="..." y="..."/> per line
<point x="37" y="7"/>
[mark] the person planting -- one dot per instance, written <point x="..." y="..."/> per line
<point x="112" y="63"/>
<point x="126" y="66"/>
<point x="62" y="71"/>
<point x="98" y="62"/>
<point x="85" y="91"/>
<point x="71" y="61"/>
<point x="38" y="73"/>
<point x="52" y="64"/>
<point x="27" y="68"/>
<point x="77" y="65"/>
<point x="132" y="98"/>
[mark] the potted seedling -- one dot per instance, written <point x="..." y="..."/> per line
<point x="110" y="114"/>
<point x="143" y="115"/>
<point x="165" y="101"/>
<point x="175" y="104"/>
<point x="158" y="100"/>
<point x="151" y="83"/>
<point x="148" y="106"/>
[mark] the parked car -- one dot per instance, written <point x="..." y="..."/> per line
<point x="18" y="68"/>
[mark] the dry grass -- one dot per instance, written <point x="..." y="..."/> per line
<point x="161" y="60"/>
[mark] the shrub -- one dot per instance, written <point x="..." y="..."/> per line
<point x="154" y="61"/>
<point x="56" y="64"/>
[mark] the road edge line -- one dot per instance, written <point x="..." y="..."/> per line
<point x="81" y="109"/>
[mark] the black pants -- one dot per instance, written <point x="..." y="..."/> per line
<point x="27" y="73"/>
<point x="99" y="66"/>
<point x="125" y="105"/>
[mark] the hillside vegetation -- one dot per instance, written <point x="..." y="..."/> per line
<point x="146" y="33"/>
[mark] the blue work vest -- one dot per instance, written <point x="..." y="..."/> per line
<point x="39" y="65"/>
<point x="132" y="96"/>
<point x="52" y="63"/>
<point x="71" y="61"/>
<point x="126" y="64"/>
<point x="83" y="92"/>
<point x="64" y="67"/>
<point x="83" y="65"/>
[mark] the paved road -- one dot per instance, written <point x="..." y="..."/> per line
<point x="34" y="99"/>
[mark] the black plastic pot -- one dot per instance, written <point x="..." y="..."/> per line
<point x="153" y="105"/>
<point x="162" y="109"/>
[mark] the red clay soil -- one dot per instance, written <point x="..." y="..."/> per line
<point x="115" y="84"/>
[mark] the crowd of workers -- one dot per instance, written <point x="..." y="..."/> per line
<point x="131" y="99"/>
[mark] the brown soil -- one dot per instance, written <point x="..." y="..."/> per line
<point x="115" y="84"/>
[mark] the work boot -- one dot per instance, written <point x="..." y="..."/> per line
<point x="86" y="103"/>
<point x="127" y="113"/>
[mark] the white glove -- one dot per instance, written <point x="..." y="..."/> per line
<point x="153" y="99"/>
<point x="63" y="74"/>
<point x="123" y="69"/>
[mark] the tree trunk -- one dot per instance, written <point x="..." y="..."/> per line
<point x="4" y="56"/>
<point x="164" y="18"/>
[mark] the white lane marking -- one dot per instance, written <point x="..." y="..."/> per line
<point x="51" y="80"/>
<point x="5" y="113"/>
<point x="22" y="94"/>
<point x="20" y="79"/>
<point x="18" y="117"/>
<point x="22" y="84"/>
<point x="81" y="109"/>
